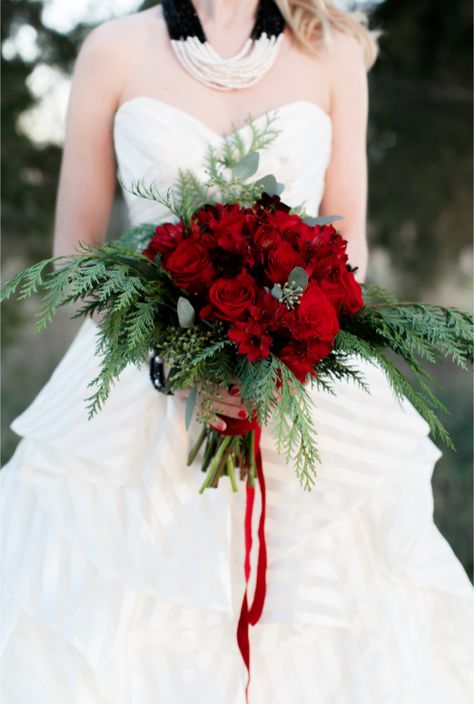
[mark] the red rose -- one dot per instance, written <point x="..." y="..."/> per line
<point x="229" y="299"/>
<point x="314" y="317"/>
<point x="190" y="266"/>
<point x="251" y="340"/>
<point x="343" y="291"/>
<point x="165" y="239"/>
<point x="302" y="357"/>
<point x="281" y="260"/>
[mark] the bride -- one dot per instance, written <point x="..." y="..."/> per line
<point x="121" y="583"/>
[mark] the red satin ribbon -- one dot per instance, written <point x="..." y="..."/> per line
<point x="252" y="615"/>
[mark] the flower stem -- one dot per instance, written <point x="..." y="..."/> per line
<point x="215" y="463"/>
<point x="211" y="445"/>
<point x="197" y="446"/>
<point x="230" y="472"/>
<point x="222" y="464"/>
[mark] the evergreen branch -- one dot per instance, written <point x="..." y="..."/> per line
<point x="29" y="281"/>
<point x="335" y="367"/>
<point x="401" y="386"/>
<point x="294" y="430"/>
<point x="137" y="237"/>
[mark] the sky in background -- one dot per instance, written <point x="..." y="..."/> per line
<point x="45" y="122"/>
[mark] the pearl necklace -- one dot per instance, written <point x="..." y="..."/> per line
<point x="203" y="63"/>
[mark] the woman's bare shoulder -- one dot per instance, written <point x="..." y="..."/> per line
<point x="341" y="53"/>
<point x="345" y="53"/>
<point x="120" y="35"/>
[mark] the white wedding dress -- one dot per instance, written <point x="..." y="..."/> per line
<point x="123" y="585"/>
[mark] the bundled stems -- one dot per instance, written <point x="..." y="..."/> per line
<point x="230" y="472"/>
<point x="223" y="454"/>
<point x="197" y="446"/>
<point x="215" y="464"/>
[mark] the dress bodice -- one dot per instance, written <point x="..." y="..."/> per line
<point x="153" y="140"/>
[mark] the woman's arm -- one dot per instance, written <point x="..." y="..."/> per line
<point x="345" y="190"/>
<point x="87" y="175"/>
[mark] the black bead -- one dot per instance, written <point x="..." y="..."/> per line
<point x="182" y="20"/>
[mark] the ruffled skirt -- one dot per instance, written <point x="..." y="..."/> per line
<point x="123" y="585"/>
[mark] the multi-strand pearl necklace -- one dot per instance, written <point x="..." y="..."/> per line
<point x="204" y="64"/>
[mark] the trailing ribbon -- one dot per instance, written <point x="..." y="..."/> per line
<point x="252" y="615"/>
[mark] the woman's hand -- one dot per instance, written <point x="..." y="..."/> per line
<point x="228" y="403"/>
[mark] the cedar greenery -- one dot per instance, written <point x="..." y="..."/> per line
<point x="138" y="306"/>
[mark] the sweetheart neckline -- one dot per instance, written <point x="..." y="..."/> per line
<point x="210" y="130"/>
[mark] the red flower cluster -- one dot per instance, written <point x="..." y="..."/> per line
<point x="229" y="260"/>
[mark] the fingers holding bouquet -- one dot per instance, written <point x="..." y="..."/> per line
<point x="214" y="401"/>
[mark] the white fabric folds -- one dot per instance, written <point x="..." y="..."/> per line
<point x="123" y="585"/>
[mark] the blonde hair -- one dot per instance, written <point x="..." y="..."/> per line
<point x="314" y="20"/>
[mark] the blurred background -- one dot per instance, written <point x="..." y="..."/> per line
<point x="420" y="190"/>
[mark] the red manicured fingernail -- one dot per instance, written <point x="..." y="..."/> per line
<point x="235" y="391"/>
<point x="218" y="426"/>
<point x="243" y="414"/>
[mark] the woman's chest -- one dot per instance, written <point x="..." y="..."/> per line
<point x="295" y="75"/>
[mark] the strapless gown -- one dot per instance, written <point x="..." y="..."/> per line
<point x="123" y="585"/>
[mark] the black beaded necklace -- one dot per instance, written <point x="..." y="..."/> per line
<point x="202" y="62"/>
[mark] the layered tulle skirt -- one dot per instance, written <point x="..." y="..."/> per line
<point x="123" y="585"/>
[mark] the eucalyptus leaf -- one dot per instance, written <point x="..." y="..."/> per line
<point x="190" y="405"/>
<point x="186" y="313"/>
<point x="298" y="278"/>
<point x="277" y="292"/>
<point x="270" y="185"/>
<point x="247" y="165"/>
<point x="322" y="219"/>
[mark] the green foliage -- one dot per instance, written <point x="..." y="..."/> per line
<point x="293" y="428"/>
<point x="227" y="170"/>
<point x="137" y="237"/>
<point x="414" y="332"/>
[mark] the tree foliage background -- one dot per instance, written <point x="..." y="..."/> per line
<point x="420" y="203"/>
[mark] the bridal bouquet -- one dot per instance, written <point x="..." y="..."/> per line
<point x="238" y="287"/>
